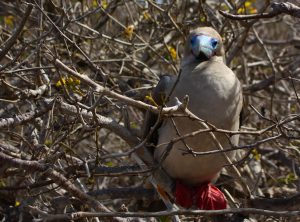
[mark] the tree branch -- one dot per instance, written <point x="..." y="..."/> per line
<point x="9" y="43"/>
<point x="277" y="9"/>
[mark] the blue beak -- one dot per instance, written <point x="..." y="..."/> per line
<point x="203" y="45"/>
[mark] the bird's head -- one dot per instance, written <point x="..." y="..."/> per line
<point x="202" y="44"/>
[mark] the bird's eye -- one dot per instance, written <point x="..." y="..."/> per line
<point x="214" y="43"/>
<point x="193" y="40"/>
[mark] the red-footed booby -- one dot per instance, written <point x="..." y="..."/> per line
<point x="215" y="95"/>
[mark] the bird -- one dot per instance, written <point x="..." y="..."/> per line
<point x="215" y="95"/>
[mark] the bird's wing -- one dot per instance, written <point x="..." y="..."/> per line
<point x="159" y="94"/>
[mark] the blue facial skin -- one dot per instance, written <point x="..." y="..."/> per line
<point x="203" y="45"/>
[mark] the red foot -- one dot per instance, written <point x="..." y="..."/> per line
<point x="204" y="196"/>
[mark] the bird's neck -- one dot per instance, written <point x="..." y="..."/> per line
<point x="190" y="61"/>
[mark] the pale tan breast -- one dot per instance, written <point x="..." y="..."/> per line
<point x="220" y="103"/>
<point x="187" y="167"/>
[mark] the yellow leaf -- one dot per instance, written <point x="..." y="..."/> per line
<point x="91" y="180"/>
<point x="48" y="142"/>
<point x="17" y="203"/>
<point x="109" y="164"/>
<point x="253" y="11"/>
<point x="134" y="125"/>
<point x="104" y="4"/>
<point x="8" y="20"/>
<point x="128" y="32"/>
<point x="224" y="7"/>
<point x="165" y="219"/>
<point x="247" y="8"/>
<point x="288" y="179"/>
<point x="295" y="143"/>
<point x="77" y="81"/>
<point x="241" y="10"/>
<point x="2" y="183"/>
<point x="146" y="15"/>
<point x="60" y="82"/>
<point x="202" y="18"/>
<point x="172" y="52"/>
<point x="94" y="4"/>
<point x="150" y="99"/>
<point x="293" y="108"/>
<point x="69" y="81"/>
<point x="73" y="81"/>
<point x="248" y="4"/>
<point x="256" y="154"/>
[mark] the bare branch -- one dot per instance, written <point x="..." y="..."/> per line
<point x="277" y="9"/>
